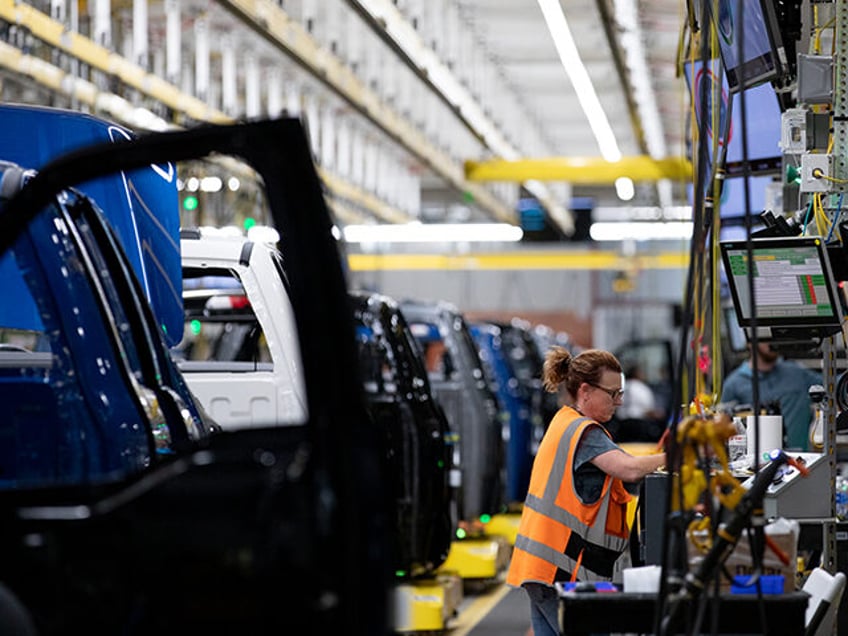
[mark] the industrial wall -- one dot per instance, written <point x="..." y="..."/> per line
<point x="609" y="299"/>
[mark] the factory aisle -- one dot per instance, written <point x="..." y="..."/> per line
<point x="500" y="611"/>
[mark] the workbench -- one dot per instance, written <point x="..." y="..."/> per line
<point x="738" y="614"/>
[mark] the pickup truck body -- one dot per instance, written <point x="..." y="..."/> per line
<point x="240" y="356"/>
<point x="418" y="450"/>
<point x="141" y="205"/>
<point x="272" y="529"/>
<point x="501" y="351"/>
<point x="459" y="383"/>
<point x="91" y="392"/>
<point x="240" y="353"/>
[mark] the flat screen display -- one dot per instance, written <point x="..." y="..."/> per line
<point x="736" y="337"/>
<point x="734" y="202"/>
<point x="749" y="42"/>
<point x="761" y="123"/>
<point x="792" y="281"/>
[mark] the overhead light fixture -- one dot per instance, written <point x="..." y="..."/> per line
<point x="433" y="233"/>
<point x="642" y="213"/>
<point x="211" y="184"/>
<point x="579" y="76"/>
<point x="632" y="42"/>
<point x="264" y="234"/>
<point x="445" y="82"/>
<point x="644" y="231"/>
<point x="624" y="188"/>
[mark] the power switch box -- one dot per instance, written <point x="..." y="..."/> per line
<point x="793" y="131"/>
<point x="818" y="131"/>
<point x="814" y="170"/>
<point x="815" y="79"/>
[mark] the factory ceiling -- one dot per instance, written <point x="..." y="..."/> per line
<point x="402" y="97"/>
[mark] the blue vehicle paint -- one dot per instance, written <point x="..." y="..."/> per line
<point x="456" y="374"/>
<point x="301" y="508"/>
<point x="142" y="205"/>
<point x="76" y="417"/>
<point x="518" y="405"/>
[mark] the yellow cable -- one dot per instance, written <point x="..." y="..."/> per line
<point x="715" y="341"/>
<point x="818" y="174"/>
<point x="816" y="41"/>
<point x="822" y="222"/>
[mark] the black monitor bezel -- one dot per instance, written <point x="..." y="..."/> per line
<point x="748" y="73"/>
<point x="817" y="326"/>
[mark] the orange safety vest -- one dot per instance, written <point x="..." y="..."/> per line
<point x="557" y="531"/>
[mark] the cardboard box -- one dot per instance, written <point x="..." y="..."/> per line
<point x="783" y="533"/>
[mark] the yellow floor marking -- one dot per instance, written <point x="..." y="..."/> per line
<point x="477" y="610"/>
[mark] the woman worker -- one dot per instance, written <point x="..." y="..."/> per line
<point x="574" y="525"/>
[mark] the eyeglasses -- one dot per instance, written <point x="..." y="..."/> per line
<point x="615" y="394"/>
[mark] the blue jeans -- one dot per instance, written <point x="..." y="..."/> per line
<point x="544" y="609"/>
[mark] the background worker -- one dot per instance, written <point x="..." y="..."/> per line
<point x="781" y="381"/>
<point x="638" y="419"/>
<point x="574" y="522"/>
<point x="638" y="401"/>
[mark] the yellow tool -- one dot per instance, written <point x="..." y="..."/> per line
<point x="702" y="437"/>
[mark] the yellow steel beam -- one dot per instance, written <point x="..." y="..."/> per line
<point x="577" y="259"/>
<point x="580" y="170"/>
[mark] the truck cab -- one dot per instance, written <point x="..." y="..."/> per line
<point x="239" y="352"/>
<point x="270" y="528"/>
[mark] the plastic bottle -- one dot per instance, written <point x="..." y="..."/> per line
<point x="737" y="445"/>
<point x="841" y="494"/>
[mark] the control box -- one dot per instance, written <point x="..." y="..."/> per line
<point x="794" y="496"/>
<point x="815" y="173"/>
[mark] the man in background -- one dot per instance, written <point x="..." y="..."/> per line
<point x="638" y="402"/>
<point x="783" y="382"/>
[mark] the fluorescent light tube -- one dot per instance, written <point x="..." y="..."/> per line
<point x="579" y="76"/>
<point x="433" y="233"/>
<point x="645" y="231"/>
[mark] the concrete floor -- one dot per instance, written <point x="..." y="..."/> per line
<point x="496" y="611"/>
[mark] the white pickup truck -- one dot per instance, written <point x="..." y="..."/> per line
<point x="240" y="357"/>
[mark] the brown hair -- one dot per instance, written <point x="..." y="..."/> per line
<point x="560" y="367"/>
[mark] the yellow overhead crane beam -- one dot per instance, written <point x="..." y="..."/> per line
<point x="580" y="170"/>
<point x="579" y="259"/>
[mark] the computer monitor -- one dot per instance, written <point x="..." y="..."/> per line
<point x="761" y="56"/>
<point x="708" y="90"/>
<point x="796" y="295"/>
<point x="737" y="340"/>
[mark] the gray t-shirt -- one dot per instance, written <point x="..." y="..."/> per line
<point x="588" y="478"/>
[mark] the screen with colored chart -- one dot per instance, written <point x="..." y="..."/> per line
<point x="792" y="282"/>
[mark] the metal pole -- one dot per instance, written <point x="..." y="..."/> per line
<point x="828" y="558"/>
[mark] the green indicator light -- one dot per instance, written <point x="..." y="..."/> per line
<point x="195" y="327"/>
<point x="460" y="533"/>
<point x="249" y="223"/>
<point x="190" y="203"/>
<point x="164" y="328"/>
<point x="485" y="518"/>
<point x="400" y="573"/>
<point x="793" y="175"/>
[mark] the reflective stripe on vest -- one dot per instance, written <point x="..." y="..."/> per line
<point x="599" y="548"/>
